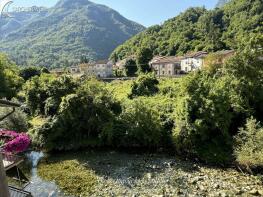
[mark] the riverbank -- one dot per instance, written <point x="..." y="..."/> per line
<point x="101" y="173"/>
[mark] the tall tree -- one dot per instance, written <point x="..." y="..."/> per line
<point x="143" y="57"/>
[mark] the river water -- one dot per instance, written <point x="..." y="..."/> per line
<point x="39" y="187"/>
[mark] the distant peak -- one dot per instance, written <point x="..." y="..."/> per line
<point x="72" y="3"/>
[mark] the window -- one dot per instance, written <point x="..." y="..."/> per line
<point x="169" y="72"/>
<point x="186" y="69"/>
<point x="163" y="72"/>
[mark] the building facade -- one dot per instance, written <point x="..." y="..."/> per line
<point x="166" y="66"/>
<point x="100" y="69"/>
<point x="193" y="61"/>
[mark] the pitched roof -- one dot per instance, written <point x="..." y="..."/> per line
<point x="196" y="54"/>
<point x="225" y="52"/>
<point x="165" y="59"/>
<point x="102" y="62"/>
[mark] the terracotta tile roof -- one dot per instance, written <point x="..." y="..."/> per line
<point x="165" y="59"/>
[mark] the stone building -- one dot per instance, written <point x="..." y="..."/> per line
<point x="100" y="69"/>
<point x="166" y="66"/>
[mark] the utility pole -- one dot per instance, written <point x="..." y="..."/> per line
<point x="4" y="191"/>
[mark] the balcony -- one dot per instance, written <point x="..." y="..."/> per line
<point x="10" y="160"/>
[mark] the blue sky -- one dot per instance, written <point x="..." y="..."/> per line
<point x="146" y="12"/>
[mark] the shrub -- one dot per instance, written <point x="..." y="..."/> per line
<point x="249" y="145"/>
<point x="43" y="94"/>
<point x="14" y="142"/>
<point x="145" y="85"/>
<point x="137" y="126"/>
<point x="29" y="72"/>
<point x="80" y="119"/>
<point x="11" y="82"/>
<point x="208" y="112"/>
<point x="17" y="121"/>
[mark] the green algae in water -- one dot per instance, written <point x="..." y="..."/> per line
<point x="71" y="176"/>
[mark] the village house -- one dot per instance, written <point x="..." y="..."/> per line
<point x="166" y="66"/>
<point x="74" y="69"/>
<point x="193" y="61"/>
<point x="101" y="69"/>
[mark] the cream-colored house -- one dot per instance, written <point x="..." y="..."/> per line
<point x="74" y="69"/>
<point x="166" y="66"/>
<point x="101" y="69"/>
<point x="193" y="61"/>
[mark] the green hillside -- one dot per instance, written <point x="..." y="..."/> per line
<point x="70" y="30"/>
<point x="199" y="29"/>
<point x="221" y="3"/>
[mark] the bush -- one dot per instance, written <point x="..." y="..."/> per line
<point x="249" y="145"/>
<point x="29" y="72"/>
<point x="145" y="85"/>
<point x="43" y="94"/>
<point x="17" y="121"/>
<point x="80" y="119"/>
<point x="11" y="82"/>
<point x="137" y="126"/>
<point x="208" y="113"/>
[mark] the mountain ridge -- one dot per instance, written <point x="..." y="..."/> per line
<point x="68" y="31"/>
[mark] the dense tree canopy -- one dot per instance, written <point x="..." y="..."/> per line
<point x="10" y="81"/>
<point x="199" y="29"/>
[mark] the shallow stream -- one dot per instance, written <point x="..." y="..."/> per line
<point x="38" y="187"/>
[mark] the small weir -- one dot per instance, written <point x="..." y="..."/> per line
<point x="39" y="187"/>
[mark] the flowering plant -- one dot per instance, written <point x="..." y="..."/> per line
<point x="14" y="142"/>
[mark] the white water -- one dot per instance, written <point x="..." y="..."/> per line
<point x="39" y="187"/>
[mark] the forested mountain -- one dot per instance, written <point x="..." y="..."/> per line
<point x="67" y="32"/>
<point x="199" y="29"/>
<point x="20" y="19"/>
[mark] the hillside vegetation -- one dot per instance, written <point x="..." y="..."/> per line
<point x="66" y="32"/>
<point x="213" y="114"/>
<point x="198" y="29"/>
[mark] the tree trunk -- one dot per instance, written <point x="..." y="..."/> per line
<point x="4" y="191"/>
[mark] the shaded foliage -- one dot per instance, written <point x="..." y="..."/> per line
<point x="145" y="85"/>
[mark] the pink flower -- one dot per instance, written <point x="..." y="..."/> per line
<point x="15" y="142"/>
